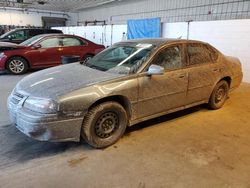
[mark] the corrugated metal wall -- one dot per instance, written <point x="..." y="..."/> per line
<point x="170" y="10"/>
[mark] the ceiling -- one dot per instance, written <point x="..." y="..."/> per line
<point x="57" y="5"/>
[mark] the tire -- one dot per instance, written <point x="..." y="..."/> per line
<point x="17" y="65"/>
<point x="86" y="58"/>
<point x="219" y="95"/>
<point x="104" y="124"/>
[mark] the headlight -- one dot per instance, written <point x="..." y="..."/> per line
<point x="45" y="106"/>
<point x="2" y="55"/>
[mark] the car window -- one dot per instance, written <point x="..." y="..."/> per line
<point x="50" y="43"/>
<point x="199" y="54"/>
<point x="119" y="53"/>
<point x="52" y="31"/>
<point x="121" y="59"/>
<point x="170" y="58"/>
<point x="34" y="32"/>
<point x="31" y="40"/>
<point x="213" y="53"/>
<point x="18" y="35"/>
<point x="72" y="42"/>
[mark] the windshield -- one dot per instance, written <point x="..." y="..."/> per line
<point x="121" y="59"/>
<point x="6" y="34"/>
<point x="31" y="40"/>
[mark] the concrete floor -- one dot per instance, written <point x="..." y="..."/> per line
<point x="192" y="148"/>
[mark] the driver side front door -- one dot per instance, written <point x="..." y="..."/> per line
<point x="159" y="94"/>
<point x="49" y="54"/>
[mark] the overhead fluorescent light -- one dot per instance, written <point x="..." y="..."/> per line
<point x="105" y="2"/>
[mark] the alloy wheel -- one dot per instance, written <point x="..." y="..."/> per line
<point x="16" y="66"/>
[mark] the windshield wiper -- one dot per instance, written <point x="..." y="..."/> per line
<point x="93" y="66"/>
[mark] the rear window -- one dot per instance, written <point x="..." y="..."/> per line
<point x="201" y="54"/>
<point x="35" y="32"/>
<point x="52" y="31"/>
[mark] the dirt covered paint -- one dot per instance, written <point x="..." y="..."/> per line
<point x="188" y="80"/>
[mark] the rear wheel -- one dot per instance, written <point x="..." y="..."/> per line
<point x="87" y="58"/>
<point x="219" y="95"/>
<point x="104" y="124"/>
<point x="17" y="65"/>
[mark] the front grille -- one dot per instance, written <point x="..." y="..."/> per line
<point x="16" y="98"/>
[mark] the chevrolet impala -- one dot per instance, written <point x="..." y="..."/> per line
<point x="128" y="83"/>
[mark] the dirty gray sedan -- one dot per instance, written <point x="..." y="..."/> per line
<point x="125" y="84"/>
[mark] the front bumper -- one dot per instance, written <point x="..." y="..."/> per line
<point x="2" y="62"/>
<point x="44" y="127"/>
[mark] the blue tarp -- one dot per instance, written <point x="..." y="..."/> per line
<point x="144" y="28"/>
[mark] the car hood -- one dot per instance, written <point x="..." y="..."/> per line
<point x="9" y="46"/>
<point x="57" y="81"/>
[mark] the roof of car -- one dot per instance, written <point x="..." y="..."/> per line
<point x="33" y="29"/>
<point x="56" y="34"/>
<point x="157" y="41"/>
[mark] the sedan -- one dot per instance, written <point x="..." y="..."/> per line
<point x="44" y="51"/>
<point x="128" y="83"/>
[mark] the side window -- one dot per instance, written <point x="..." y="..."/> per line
<point x="72" y="42"/>
<point x="170" y="58"/>
<point x="200" y="54"/>
<point x="50" y="43"/>
<point x="34" y="32"/>
<point x="213" y="53"/>
<point x="18" y="35"/>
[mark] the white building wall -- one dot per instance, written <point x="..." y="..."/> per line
<point x="105" y="35"/>
<point x="231" y="37"/>
<point x="175" y="30"/>
<point x="169" y="10"/>
<point x="33" y="17"/>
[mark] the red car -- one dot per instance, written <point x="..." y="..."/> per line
<point x="44" y="51"/>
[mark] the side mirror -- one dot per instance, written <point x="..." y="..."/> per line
<point x="10" y="37"/>
<point x="155" y="70"/>
<point x="36" y="46"/>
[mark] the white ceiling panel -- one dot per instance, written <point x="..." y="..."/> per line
<point x="58" y="5"/>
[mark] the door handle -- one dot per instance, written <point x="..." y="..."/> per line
<point x="182" y="76"/>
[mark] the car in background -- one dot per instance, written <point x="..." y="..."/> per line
<point x="19" y="35"/>
<point x="128" y="83"/>
<point x="44" y="51"/>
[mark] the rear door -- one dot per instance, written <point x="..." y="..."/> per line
<point x="74" y="46"/>
<point x="204" y="71"/>
<point x="49" y="54"/>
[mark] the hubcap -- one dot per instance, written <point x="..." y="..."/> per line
<point x="220" y="94"/>
<point x="106" y="124"/>
<point x="87" y="59"/>
<point x="16" y="66"/>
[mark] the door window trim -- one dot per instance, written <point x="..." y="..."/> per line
<point x="83" y="41"/>
<point x="181" y="44"/>
<point x="199" y="64"/>
<point x="50" y="37"/>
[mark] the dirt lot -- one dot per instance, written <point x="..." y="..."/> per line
<point x="192" y="148"/>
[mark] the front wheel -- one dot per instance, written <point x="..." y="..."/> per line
<point x="219" y="95"/>
<point x="17" y="65"/>
<point x="104" y="124"/>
